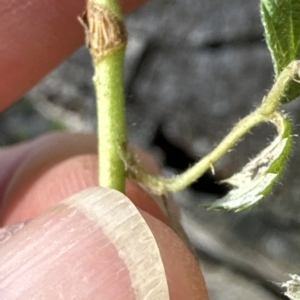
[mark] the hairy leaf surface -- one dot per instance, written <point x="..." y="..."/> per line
<point x="256" y="179"/>
<point x="292" y="287"/>
<point x="281" y="20"/>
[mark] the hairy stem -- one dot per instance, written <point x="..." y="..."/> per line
<point x="162" y="185"/>
<point x="106" y="39"/>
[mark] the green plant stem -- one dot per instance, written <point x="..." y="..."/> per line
<point x="277" y="93"/>
<point x="106" y="39"/>
<point x="162" y="185"/>
<point x="108" y="80"/>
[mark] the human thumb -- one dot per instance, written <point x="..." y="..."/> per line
<point x="93" y="245"/>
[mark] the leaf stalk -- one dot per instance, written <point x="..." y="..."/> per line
<point x="270" y="103"/>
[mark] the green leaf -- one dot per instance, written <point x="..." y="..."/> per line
<point x="281" y="20"/>
<point x="256" y="179"/>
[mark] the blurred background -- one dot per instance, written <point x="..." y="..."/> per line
<point x="193" y="69"/>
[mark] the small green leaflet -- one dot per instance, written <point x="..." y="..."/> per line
<point x="292" y="287"/>
<point x="281" y="20"/>
<point x="256" y="179"/>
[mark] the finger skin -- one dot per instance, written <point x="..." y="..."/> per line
<point x="77" y="250"/>
<point x="35" y="36"/>
<point x="62" y="255"/>
<point x="43" y="172"/>
<point x="69" y="171"/>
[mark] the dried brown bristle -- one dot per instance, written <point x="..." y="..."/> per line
<point x="104" y="30"/>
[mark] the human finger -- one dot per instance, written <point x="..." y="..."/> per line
<point x="38" y="174"/>
<point x="35" y="36"/>
<point x="85" y="262"/>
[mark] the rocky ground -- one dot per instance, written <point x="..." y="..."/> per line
<point x="193" y="69"/>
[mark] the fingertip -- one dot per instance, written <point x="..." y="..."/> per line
<point x="36" y="36"/>
<point x="184" y="276"/>
<point x="62" y="254"/>
<point x="129" y="5"/>
<point x="51" y="169"/>
<point x="77" y="170"/>
<point x="96" y="239"/>
<point x="143" y="200"/>
<point x="27" y="169"/>
<point x="33" y="193"/>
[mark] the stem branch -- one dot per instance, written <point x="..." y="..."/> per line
<point x="162" y="185"/>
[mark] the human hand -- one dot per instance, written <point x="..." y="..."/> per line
<point x="62" y="254"/>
